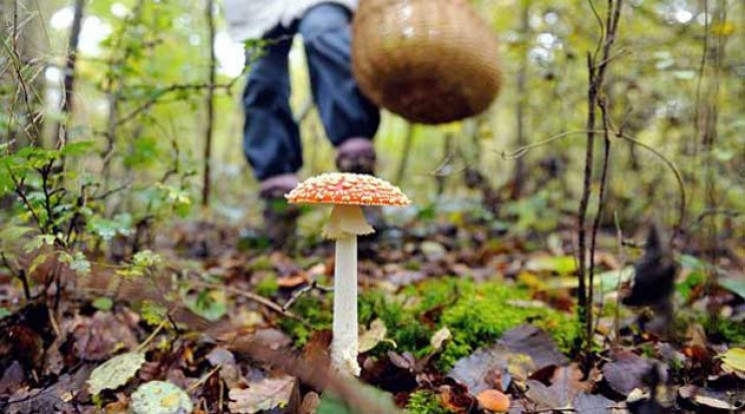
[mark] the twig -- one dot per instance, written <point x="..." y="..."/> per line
<point x="204" y="378"/>
<point x="520" y="151"/>
<point x="727" y="213"/>
<point x="622" y="259"/>
<point x="597" y="67"/>
<point x="165" y="91"/>
<point x="151" y="337"/>
<point x="253" y="297"/>
<point x="17" y="185"/>
<point x="210" y="103"/>
<point x="304" y="290"/>
<point x="601" y="202"/>
<point x="678" y="177"/>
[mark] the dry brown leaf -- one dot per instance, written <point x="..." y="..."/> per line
<point x="262" y="395"/>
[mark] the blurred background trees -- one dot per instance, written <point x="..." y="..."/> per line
<point x="142" y="77"/>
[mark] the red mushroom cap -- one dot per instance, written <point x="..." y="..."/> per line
<point x="347" y="188"/>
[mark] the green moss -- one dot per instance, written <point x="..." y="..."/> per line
<point x="403" y="324"/>
<point x="425" y="402"/>
<point x="316" y="311"/>
<point x="268" y="286"/>
<point x="476" y="314"/>
<point x="724" y="330"/>
<point x="483" y="313"/>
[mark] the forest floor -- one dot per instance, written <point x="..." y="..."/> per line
<point x="453" y="317"/>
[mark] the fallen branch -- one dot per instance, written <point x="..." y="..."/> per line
<point x="255" y="298"/>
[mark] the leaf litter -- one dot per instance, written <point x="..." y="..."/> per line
<point x="524" y="363"/>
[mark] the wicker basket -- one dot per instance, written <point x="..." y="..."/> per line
<point x="429" y="61"/>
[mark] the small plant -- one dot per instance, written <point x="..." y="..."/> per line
<point x="425" y="402"/>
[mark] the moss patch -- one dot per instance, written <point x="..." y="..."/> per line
<point x="476" y="314"/>
<point x="425" y="402"/>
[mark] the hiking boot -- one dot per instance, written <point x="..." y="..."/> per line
<point x="356" y="155"/>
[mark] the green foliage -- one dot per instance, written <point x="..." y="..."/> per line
<point x="209" y="304"/>
<point x="425" y="402"/>
<point x="403" y="324"/>
<point x="103" y="303"/>
<point x="476" y="314"/>
<point x="483" y="312"/>
<point x="153" y="313"/>
<point x="142" y="262"/>
<point x="317" y="311"/>
<point x="724" y="330"/>
<point x="268" y="286"/>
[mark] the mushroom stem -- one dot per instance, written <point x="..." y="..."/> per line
<point x="344" y="343"/>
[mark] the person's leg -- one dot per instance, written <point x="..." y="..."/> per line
<point x="350" y="119"/>
<point x="271" y="140"/>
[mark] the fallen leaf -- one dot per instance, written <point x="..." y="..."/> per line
<point x="534" y="342"/>
<point x="160" y="397"/>
<point x="584" y="403"/>
<point x="494" y="400"/>
<point x="98" y="337"/>
<point x="627" y="372"/>
<point x="229" y="370"/>
<point x="439" y="338"/>
<point x="734" y="358"/>
<point x="12" y="379"/>
<point x="711" y="399"/>
<point x="433" y="251"/>
<point x="262" y="395"/>
<point x="566" y="383"/>
<point x="115" y="372"/>
<point x="483" y="369"/>
<point x="552" y="264"/>
<point x="370" y="338"/>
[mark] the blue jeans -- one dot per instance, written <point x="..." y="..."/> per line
<point x="271" y="140"/>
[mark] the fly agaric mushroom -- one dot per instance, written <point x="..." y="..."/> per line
<point x="347" y="193"/>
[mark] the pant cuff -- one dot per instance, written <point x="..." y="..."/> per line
<point x="277" y="185"/>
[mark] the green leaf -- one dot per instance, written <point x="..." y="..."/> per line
<point x="146" y="258"/>
<point x="691" y="281"/>
<point x="693" y="263"/>
<point x="209" y="304"/>
<point x="4" y="312"/>
<point x="734" y="285"/>
<point x="160" y="397"/>
<point x="77" y="148"/>
<point x="103" y="303"/>
<point x="77" y="262"/>
<point x="735" y="358"/>
<point x="153" y="313"/>
<point x="115" y="372"/>
<point x="38" y="260"/>
<point x="108" y="229"/>
<point x="558" y="264"/>
<point x="37" y="243"/>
